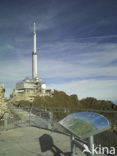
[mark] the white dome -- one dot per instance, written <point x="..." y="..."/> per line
<point x="43" y="86"/>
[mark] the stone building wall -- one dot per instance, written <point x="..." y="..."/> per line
<point x="29" y="95"/>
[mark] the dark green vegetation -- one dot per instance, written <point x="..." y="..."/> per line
<point x="62" y="104"/>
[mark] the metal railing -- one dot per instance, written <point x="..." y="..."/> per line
<point x="43" y="118"/>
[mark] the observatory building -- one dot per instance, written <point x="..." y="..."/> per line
<point x="29" y="88"/>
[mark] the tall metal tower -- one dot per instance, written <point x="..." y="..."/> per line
<point x="34" y="55"/>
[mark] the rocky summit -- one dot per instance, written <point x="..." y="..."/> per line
<point x="3" y="104"/>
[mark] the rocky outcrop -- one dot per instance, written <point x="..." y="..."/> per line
<point x="3" y="104"/>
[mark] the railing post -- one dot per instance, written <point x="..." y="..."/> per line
<point x="91" y="142"/>
<point x="30" y="118"/>
<point x="73" y="146"/>
<point x="50" y="120"/>
<point x="5" y="121"/>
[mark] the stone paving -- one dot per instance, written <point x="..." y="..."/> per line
<point x="31" y="141"/>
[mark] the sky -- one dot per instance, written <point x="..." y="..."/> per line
<point x="76" y="45"/>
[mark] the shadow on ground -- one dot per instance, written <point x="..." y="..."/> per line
<point x="46" y="143"/>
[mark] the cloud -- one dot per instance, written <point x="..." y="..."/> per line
<point x="90" y="72"/>
<point x="100" y="89"/>
<point x="78" y="60"/>
<point x="76" y="44"/>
